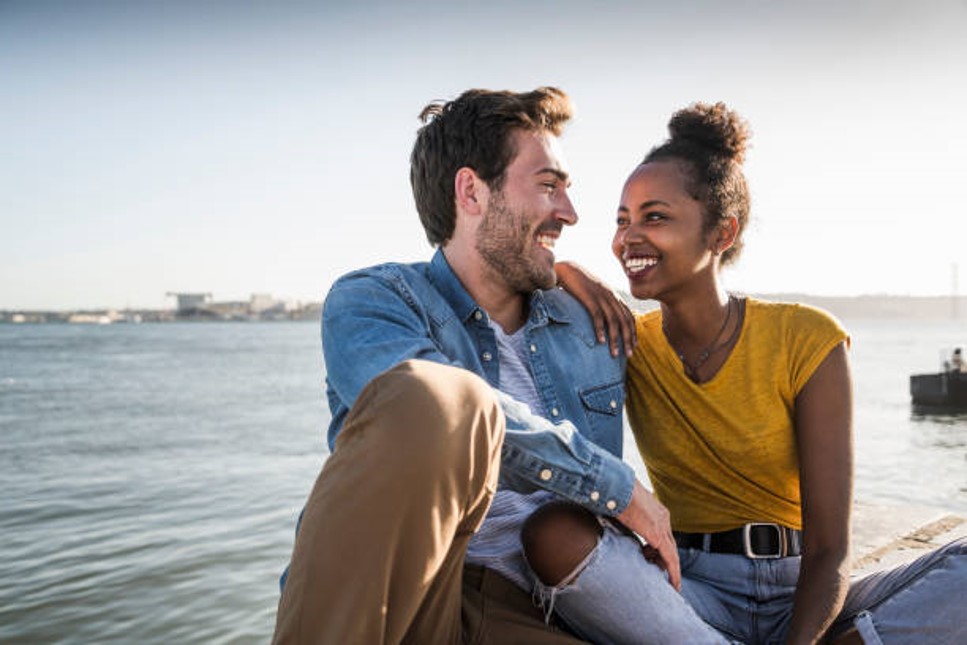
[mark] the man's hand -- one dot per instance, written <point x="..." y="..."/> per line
<point x="607" y="310"/>
<point x="649" y="518"/>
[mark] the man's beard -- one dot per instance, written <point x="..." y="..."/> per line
<point x="506" y="242"/>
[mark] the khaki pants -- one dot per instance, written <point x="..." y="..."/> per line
<point x="379" y="557"/>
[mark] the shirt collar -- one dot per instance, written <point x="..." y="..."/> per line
<point x="448" y="284"/>
<point x="450" y="287"/>
<point x="544" y="307"/>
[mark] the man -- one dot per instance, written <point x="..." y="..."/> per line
<point x="957" y="363"/>
<point x="433" y="371"/>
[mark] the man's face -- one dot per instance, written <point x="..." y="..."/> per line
<point x="523" y="220"/>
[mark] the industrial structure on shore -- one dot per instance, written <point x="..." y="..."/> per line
<point x="194" y="306"/>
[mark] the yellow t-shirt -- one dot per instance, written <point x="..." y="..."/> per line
<point x="723" y="453"/>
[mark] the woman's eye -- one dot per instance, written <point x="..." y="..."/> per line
<point x="654" y="217"/>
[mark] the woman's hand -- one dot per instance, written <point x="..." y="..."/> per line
<point x="608" y="311"/>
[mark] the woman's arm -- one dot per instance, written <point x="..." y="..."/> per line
<point x="607" y="310"/>
<point x="824" y="436"/>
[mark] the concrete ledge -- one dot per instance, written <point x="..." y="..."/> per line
<point x="885" y="536"/>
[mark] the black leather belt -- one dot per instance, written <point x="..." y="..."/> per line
<point x="755" y="540"/>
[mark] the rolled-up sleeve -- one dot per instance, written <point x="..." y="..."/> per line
<point x="538" y="454"/>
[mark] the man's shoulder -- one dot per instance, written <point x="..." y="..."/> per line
<point x="379" y="286"/>
<point x="406" y="280"/>
<point x="385" y="272"/>
<point x="565" y="308"/>
<point x="560" y="302"/>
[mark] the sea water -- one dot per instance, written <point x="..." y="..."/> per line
<point x="151" y="475"/>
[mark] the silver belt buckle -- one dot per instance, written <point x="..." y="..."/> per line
<point x="747" y="542"/>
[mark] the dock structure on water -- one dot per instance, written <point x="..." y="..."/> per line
<point x="887" y="535"/>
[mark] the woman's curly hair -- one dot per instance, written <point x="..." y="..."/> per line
<point x="709" y="141"/>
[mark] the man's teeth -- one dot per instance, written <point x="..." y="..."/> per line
<point x="546" y="241"/>
<point x="637" y="264"/>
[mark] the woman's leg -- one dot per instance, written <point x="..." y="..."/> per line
<point x="920" y="602"/>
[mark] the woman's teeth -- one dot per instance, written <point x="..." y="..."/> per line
<point x="638" y="264"/>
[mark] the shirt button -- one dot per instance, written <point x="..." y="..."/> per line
<point x="533" y="348"/>
<point x="555" y="412"/>
<point x="613" y="404"/>
<point x="595" y="495"/>
<point x="486" y="356"/>
<point x="611" y="505"/>
<point x="546" y="474"/>
<point x="477" y="315"/>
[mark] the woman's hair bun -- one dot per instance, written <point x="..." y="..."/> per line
<point x="712" y="126"/>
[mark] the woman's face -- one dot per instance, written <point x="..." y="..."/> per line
<point x="658" y="239"/>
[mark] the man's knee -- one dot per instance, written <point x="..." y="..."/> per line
<point x="420" y="388"/>
<point x="557" y="538"/>
<point x="425" y="383"/>
<point x="437" y="410"/>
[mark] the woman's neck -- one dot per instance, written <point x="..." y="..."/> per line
<point x="702" y="330"/>
<point x="695" y="318"/>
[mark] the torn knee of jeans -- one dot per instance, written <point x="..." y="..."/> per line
<point x="557" y="540"/>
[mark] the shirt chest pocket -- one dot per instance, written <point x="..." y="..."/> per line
<point x="605" y="399"/>
<point x="603" y="406"/>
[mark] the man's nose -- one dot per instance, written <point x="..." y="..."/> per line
<point x="565" y="211"/>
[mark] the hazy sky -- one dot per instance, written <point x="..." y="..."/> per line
<point x="262" y="147"/>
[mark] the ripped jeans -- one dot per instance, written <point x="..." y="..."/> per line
<point x="616" y="596"/>
<point x="619" y="597"/>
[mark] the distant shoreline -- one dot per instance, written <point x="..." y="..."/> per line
<point x="886" y="307"/>
<point x="306" y="313"/>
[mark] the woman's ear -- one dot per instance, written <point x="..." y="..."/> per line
<point x="725" y="233"/>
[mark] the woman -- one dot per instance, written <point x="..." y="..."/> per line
<point x="742" y="411"/>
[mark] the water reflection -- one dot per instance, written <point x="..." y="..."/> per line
<point x="938" y="415"/>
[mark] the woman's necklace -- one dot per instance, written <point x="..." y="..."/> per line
<point x="691" y="369"/>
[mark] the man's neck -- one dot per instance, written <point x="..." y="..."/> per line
<point x="507" y="310"/>
<point x="506" y="307"/>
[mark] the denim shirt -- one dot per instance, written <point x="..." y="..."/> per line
<point x="380" y="316"/>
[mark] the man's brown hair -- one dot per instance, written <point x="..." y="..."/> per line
<point x="474" y="131"/>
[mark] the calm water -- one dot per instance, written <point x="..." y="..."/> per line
<point x="151" y="474"/>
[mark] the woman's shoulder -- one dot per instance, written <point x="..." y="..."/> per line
<point x="797" y="323"/>
<point x="793" y="313"/>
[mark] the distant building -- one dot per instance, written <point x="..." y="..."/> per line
<point x="93" y="318"/>
<point x="227" y="310"/>
<point x="260" y="302"/>
<point x="191" y="303"/>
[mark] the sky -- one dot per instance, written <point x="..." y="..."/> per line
<point x="262" y="147"/>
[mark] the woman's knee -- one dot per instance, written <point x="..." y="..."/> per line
<point x="953" y="549"/>
<point x="557" y="538"/>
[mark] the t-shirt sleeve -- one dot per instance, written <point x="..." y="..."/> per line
<point x="812" y="334"/>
